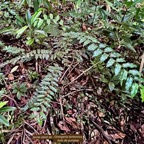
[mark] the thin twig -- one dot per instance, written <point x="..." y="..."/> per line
<point x="63" y="96"/>
<point x="66" y="72"/>
<point x="13" y="101"/>
<point x="101" y="131"/>
<point x="81" y="74"/>
<point x="73" y="69"/>
<point x="61" y="107"/>
<point x="30" y="126"/>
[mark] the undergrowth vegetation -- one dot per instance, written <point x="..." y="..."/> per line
<point x="56" y="56"/>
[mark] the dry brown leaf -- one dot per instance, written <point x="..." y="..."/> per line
<point x="69" y="112"/>
<point x="63" y="126"/>
<point x="10" y="76"/>
<point x="141" y="130"/>
<point x="133" y="128"/>
<point x="84" y="27"/>
<point x="95" y="133"/>
<point x="118" y="135"/>
<point x="105" y="142"/>
<point x="112" y="103"/>
<point x="29" y="85"/>
<point x="99" y="91"/>
<point x="101" y="114"/>
<point x="71" y="121"/>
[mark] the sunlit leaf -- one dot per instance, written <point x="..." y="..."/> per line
<point x="110" y="62"/>
<point x="97" y="52"/>
<point x="14" y="69"/>
<point x="129" y="65"/>
<point x="111" y="86"/>
<point x="142" y="93"/>
<point x="120" y="60"/>
<point x="134" y="72"/>
<point x="104" y="57"/>
<point x="101" y="45"/>
<point x="51" y="16"/>
<point x="36" y="15"/>
<point x="134" y="89"/>
<point x="3" y="103"/>
<point x="86" y="42"/>
<point x="114" y="55"/>
<point x="123" y="75"/>
<point x="92" y="47"/>
<point x="108" y="49"/>
<point x="30" y="41"/>
<point x="20" y="31"/>
<point x="128" y="83"/>
<point x="28" y="17"/>
<point x="117" y="68"/>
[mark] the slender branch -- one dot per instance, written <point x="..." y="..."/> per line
<point x="81" y="74"/>
<point x="101" y="131"/>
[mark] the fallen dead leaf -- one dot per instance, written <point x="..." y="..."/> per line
<point x="10" y="76"/>
<point x="112" y="103"/>
<point x="9" y="87"/>
<point x="105" y="142"/>
<point x="118" y="136"/>
<point x="69" y="112"/>
<point x="141" y="130"/>
<point x="99" y="91"/>
<point x="95" y="133"/>
<point x="29" y="85"/>
<point x="63" y="126"/>
<point x="71" y="121"/>
<point x="101" y="114"/>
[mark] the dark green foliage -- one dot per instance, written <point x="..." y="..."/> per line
<point x="23" y="56"/>
<point x="114" y="62"/>
<point x="19" y="90"/>
<point x="45" y="92"/>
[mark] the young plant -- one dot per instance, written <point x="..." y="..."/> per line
<point x="19" y="90"/>
<point x="33" y="75"/>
